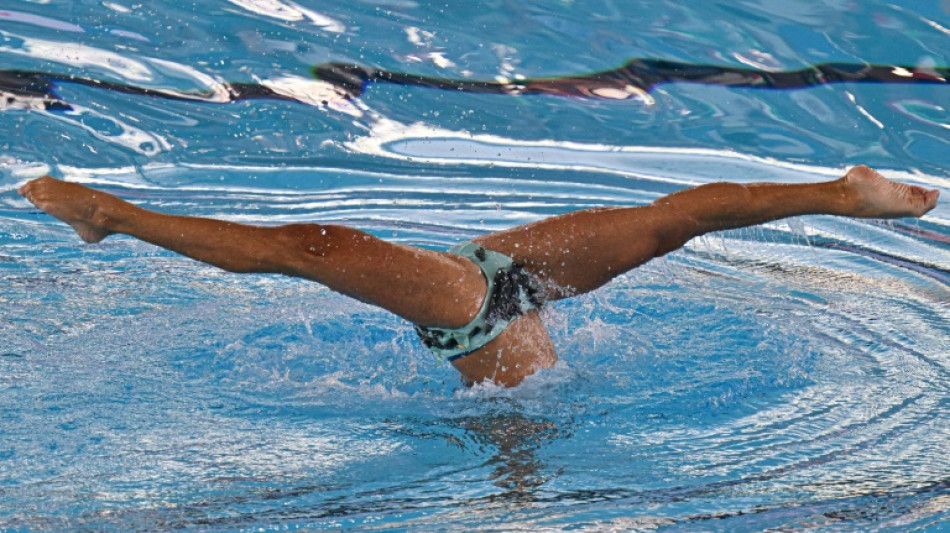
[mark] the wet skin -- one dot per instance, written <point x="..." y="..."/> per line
<point x="568" y="254"/>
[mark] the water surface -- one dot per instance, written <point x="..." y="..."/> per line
<point x="792" y="376"/>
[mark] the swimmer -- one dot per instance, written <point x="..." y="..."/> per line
<point x="478" y="304"/>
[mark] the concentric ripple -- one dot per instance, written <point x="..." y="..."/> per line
<point x="790" y="377"/>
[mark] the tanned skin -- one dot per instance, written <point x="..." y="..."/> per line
<point x="568" y="255"/>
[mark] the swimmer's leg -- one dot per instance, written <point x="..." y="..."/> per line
<point x="579" y="252"/>
<point x="425" y="287"/>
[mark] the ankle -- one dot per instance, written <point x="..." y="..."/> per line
<point x="845" y="199"/>
<point x="104" y="214"/>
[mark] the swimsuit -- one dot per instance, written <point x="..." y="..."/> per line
<point x="510" y="293"/>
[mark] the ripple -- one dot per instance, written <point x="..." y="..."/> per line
<point x="791" y="376"/>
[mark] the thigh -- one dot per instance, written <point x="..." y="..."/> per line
<point x="426" y="287"/>
<point x="580" y="251"/>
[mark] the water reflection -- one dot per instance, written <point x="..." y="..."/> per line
<point x="336" y="81"/>
<point x="517" y="441"/>
<point x="638" y="77"/>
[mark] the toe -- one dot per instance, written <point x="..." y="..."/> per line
<point x="931" y="197"/>
<point x="924" y="200"/>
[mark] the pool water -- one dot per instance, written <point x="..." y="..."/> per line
<point x="793" y="376"/>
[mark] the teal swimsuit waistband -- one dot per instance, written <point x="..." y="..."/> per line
<point x="510" y="293"/>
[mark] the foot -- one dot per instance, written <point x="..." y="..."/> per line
<point x="74" y="204"/>
<point x="878" y="197"/>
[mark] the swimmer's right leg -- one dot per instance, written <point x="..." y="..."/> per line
<point x="425" y="287"/>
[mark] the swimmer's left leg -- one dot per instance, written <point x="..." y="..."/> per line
<point x="423" y="286"/>
<point x="578" y="252"/>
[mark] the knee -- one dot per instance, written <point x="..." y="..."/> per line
<point x="295" y="244"/>
<point x="312" y="239"/>
<point x="703" y="197"/>
<point x="671" y="227"/>
<point x="699" y="210"/>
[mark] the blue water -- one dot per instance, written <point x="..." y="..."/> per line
<point x="790" y="377"/>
